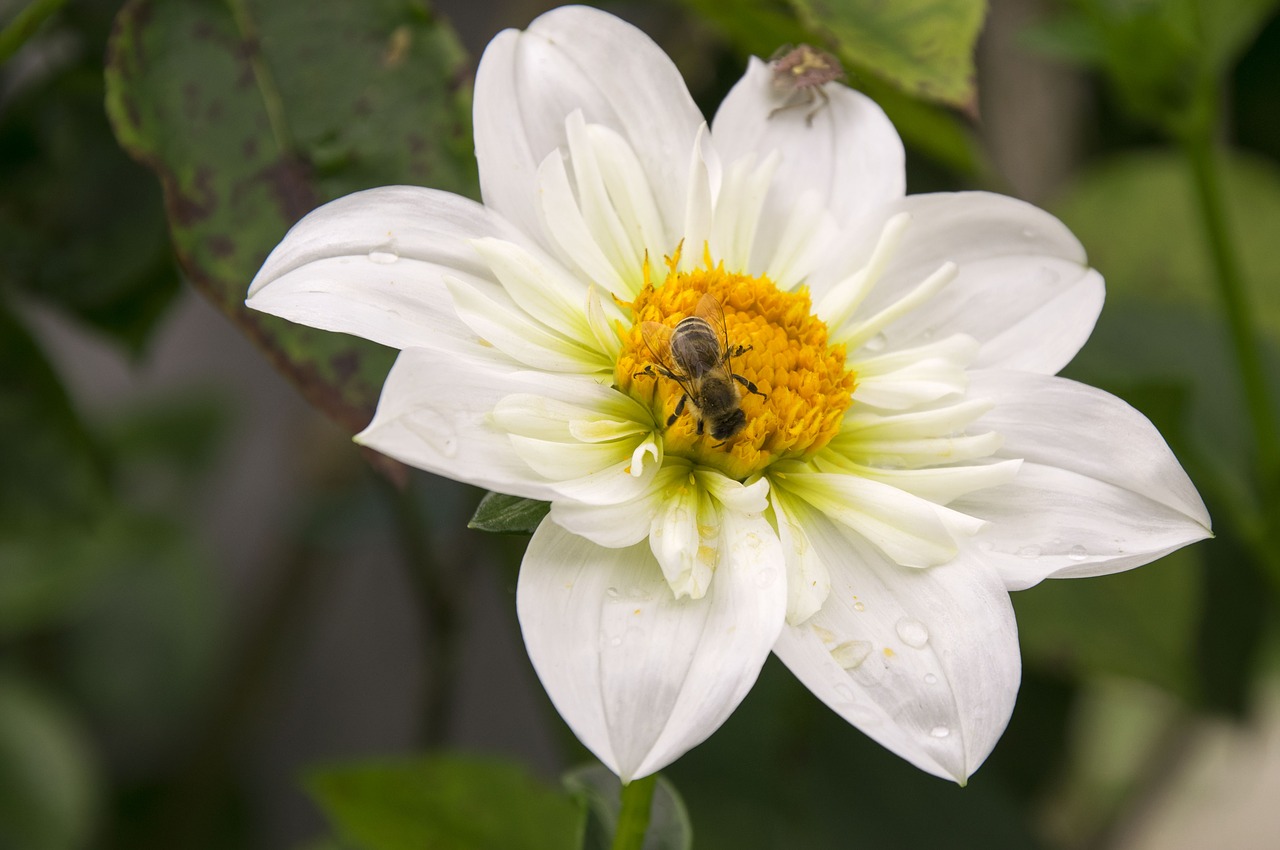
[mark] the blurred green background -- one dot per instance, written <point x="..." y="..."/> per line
<point x="223" y="626"/>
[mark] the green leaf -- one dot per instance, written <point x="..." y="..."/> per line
<point x="252" y="113"/>
<point x="503" y="514"/>
<point x="446" y="803"/>
<point x="48" y="778"/>
<point x="924" y="47"/>
<point x="669" y="825"/>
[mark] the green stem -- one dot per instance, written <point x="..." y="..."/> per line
<point x="440" y="602"/>
<point x="1247" y="348"/>
<point x="25" y="24"/>
<point x="633" y="820"/>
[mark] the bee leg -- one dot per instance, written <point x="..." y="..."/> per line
<point x="671" y="420"/>
<point x="751" y="388"/>
<point x="739" y="350"/>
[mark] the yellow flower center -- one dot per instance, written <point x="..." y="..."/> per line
<point x="770" y="359"/>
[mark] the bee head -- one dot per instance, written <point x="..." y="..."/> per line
<point x="727" y="425"/>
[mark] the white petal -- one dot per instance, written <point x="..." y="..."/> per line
<point x="373" y="264"/>
<point x="849" y="153"/>
<point x="515" y="333"/>
<point x="625" y="523"/>
<point x="640" y="676"/>
<point x="1024" y="289"/>
<point x="1054" y="523"/>
<point x="1117" y="468"/>
<point x="572" y="58"/>
<point x="908" y="529"/>
<point x="925" y="662"/>
<point x="808" y="581"/>
<point x="685" y="538"/>
<point x="434" y="414"/>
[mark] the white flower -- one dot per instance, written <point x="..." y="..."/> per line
<point x="907" y="456"/>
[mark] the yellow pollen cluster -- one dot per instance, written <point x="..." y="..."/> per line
<point x="802" y="385"/>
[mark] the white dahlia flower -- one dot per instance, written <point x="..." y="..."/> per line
<point x="903" y="456"/>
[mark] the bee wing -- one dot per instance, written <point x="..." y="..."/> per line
<point x="657" y="338"/>
<point x="711" y="311"/>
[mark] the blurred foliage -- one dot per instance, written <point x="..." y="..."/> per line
<point x="121" y="704"/>
<point x="446" y="802"/>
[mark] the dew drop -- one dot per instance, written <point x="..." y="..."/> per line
<point x="1029" y="552"/>
<point x="1078" y="553"/>
<point x="912" y="632"/>
<point x="939" y="732"/>
<point x="844" y="692"/>
<point x="766" y="577"/>
<point x="851" y="653"/>
<point x="616" y="640"/>
<point x="383" y="258"/>
<point x="858" y="606"/>
<point x="876" y="343"/>
<point x="612" y="593"/>
<point x="930" y="679"/>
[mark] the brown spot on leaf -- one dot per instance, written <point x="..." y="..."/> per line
<point x="221" y="246"/>
<point x="289" y="181"/>
<point x="345" y="365"/>
<point x="188" y="205"/>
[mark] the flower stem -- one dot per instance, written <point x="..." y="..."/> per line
<point x="1199" y="149"/>
<point x="633" y="821"/>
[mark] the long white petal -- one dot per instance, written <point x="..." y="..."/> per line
<point x="1024" y="289"/>
<point x="849" y="151"/>
<point x="373" y="264"/>
<point x="572" y="58"/>
<point x="640" y="676"/>
<point x="434" y="414"/>
<point x="925" y="662"/>
<point x="1111" y="493"/>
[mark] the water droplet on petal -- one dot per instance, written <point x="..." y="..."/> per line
<point x="930" y="679"/>
<point x="383" y="258"/>
<point x="851" y="653"/>
<point x="876" y="343"/>
<point x="1078" y="553"/>
<point x="939" y="732"/>
<point x="858" y="606"/>
<point x="1029" y="552"/>
<point x="844" y="692"/>
<point x="766" y="577"/>
<point x="912" y="632"/>
<point x="616" y="640"/>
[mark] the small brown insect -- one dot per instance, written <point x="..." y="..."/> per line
<point x="800" y="73"/>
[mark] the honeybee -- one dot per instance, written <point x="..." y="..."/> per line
<point x="800" y="74"/>
<point x="696" y="355"/>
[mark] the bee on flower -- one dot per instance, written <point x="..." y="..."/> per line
<point x="843" y="458"/>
